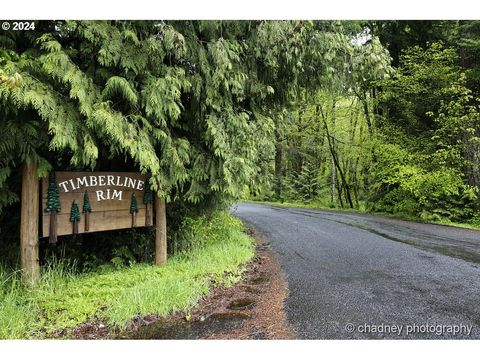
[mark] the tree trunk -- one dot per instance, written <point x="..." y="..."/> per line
<point x="53" y="227"/>
<point x="340" y="172"/>
<point x="367" y="117"/>
<point x="75" y="227"/>
<point x="278" y="170"/>
<point x="335" y="160"/>
<point x="334" y="170"/>
<point x="134" y="219"/>
<point x="29" y="225"/>
<point x="472" y="153"/>
<point x="334" y="181"/>
<point x="339" y="190"/>
<point x="87" y="221"/>
<point x="147" y="215"/>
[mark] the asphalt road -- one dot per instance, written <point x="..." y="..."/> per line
<point x="355" y="276"/>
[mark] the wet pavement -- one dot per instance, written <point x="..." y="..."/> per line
<point x="356" y="276"/>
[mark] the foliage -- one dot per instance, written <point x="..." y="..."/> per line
<point x="213" y="260"/>
<point x="97" y="252"/>
<point x="192" y="103"/>
<point x="466" y="39"/>
<point x="401" y="140"/>
<point x="382" y="115"/>
<point x="324" y="128"/>
<point x="202" y="230"/>
<point x="16" y="318"/>
<point x="53" y="197"/>
<point x="303" y="186"/>
<point x="425" y="79"/>
<point x="147" y="195"/>
<point x="185" y="101"/>
<point x="433" y="118"/>
<point x="398" y="35"/>
<point x="133" y="204"/>
<point x="403" y="185"/>
<point x="86" y="207"/>
<point x="64" y="300"/>
<point x="74" y="212"/>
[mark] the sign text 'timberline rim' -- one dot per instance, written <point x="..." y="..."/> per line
<point x="116" y="199"/>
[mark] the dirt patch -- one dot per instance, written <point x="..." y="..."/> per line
<point x="252" y="309"/>
<point x="265" y="288"/>
<point x="241" y="304"/>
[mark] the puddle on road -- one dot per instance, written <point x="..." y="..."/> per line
<point x="187" y="330"/>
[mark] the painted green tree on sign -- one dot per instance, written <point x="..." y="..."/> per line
<point x="86" y="209"/>
<point x="75" y="216"/>
<point x="134" y="209"/>
<point x="53" y="206"/>
<point x="147" y="200"/>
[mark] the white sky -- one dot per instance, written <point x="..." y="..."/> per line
<point x="239" y="9"/>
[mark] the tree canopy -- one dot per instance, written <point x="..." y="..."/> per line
<point x="212" y="108"/>
<point x="189" y="102"/>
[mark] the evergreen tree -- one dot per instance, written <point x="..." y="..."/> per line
<point x="75" y="216"/>
<point x="399" y="35"/>
<point x="467" y="39"/>
<point x="53" y="206"/>
<point x="134" y="209"/>
<point x="306" y="183"/>
<point x="147" y="200"/>
<point x="86" y="209"/>
<point x="191" y="102"/>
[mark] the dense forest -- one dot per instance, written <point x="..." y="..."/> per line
<point x="372" y="115"/>
<point x="393" y="126"/>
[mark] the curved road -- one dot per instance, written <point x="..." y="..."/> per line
<point x="355" y="276"/>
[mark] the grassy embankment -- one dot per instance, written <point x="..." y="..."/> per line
<point x="64" y="299"/>
<point x="408" y="217"/>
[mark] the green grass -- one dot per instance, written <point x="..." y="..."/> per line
<point x="319" y="206"/>
<point x="64" y="300"/>
<point x="15" y="309"/>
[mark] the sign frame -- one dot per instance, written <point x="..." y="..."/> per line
<point x="95" y="201"/>
<point x="29" y="225"/>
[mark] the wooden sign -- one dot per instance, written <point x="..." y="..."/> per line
<point x="79" y="202"/>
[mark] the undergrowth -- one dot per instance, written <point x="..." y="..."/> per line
<point x="218" y="246"/>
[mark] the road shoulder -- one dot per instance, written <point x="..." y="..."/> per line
<point x="251" y="309"/>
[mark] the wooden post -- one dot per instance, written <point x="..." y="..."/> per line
<point x="29" y="225"/>
<point x="160" y="232"/>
